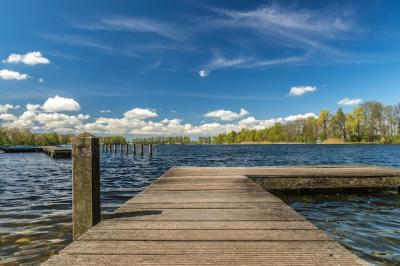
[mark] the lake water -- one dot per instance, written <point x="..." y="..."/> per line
<point x="35" y="194"/>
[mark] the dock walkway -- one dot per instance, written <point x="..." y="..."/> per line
<point x="214" y="216"/>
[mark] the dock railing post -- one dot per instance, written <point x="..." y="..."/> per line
<point x="85" y="183"/>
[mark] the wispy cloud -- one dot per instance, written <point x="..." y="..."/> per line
<point x="298" y="25"/>
<point x="75" y="40"/>
<point x="136" y="24"/>
<point x="349" y="102"/>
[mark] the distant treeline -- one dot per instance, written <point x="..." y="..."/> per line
<point x="369" y="122"/>
<point x="164" y="140"/>
<point x="16" y="136"/>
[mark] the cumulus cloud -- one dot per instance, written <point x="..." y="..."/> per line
<point x="12" y="75"/>
<point x="8" y="117"/>
<point x="32" y="107"/>
<point x="138" y="113"/>
<point x="5" y="107"/>
<point x="204" y="73"/>
<point x="300" y="90"/>
<point x="59" y="104"/>
<point x="31" y="58"/>
<point x="349" y="102"/>
<point x="135" y="122"/>
<point x="226" y="115"/>
<point x="291" y="118"/>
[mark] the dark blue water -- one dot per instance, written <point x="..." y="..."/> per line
<point x="35" y="194"/>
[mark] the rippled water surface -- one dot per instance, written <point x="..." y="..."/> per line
<point x="35" y="194"/>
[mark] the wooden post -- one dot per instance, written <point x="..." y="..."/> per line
<point x="120" y="148"/>
<point x="85" y="183"/>
<point x="134" y="149"/>
<point x="141" y="149"/>
<point x="115" y="148"/>
<point x="127" y="149"/>
<point x="150" y="150"/>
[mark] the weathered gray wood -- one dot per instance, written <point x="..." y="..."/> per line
<point x="207" y="235"/>
<point x="112" y="224"/>
<point x="214" y="216"/>
<point x="86" y="183"/>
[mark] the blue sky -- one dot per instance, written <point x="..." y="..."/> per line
<point x="191" y="67"/>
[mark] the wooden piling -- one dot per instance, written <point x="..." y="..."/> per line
<point x="134" y="149"/>
<point x="150" y="150"/>
<point x="115" y="148"/>
<point x="127" y="149"/>
<point x="85" y="183"/>
<point x="141" y="149"/>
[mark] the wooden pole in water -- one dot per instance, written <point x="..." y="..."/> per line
<point x="115" y="148"/>
<point x="134" y="149"/>
<point x="127" y="149"/>
<point x="120" y="148"/>
<point x="150" y="150"/>
<point x="85" y="183"/>
<point x="141" y="149"/>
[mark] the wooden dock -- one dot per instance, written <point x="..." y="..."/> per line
<point x="57" y="151"/>
<point x="217" y="216"/>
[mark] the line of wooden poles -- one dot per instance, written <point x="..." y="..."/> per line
<point x="124" y="148"/>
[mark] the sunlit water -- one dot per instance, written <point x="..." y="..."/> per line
<point x="35" y="194"/>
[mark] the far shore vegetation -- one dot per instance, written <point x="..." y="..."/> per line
<point x="371" y="122"/>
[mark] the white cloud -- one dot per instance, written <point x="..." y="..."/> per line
<point x="300" y="90"/>
<point x="32" y="107"/>
<point x="288" y="25"/>
<point x="31" y="58"/>
<point x="59" y="104"/>
<point x="8" y="117"/>
<point x="12" y="75"/>
<point x="291" y="118"/>
<point x="5" y="107"/>
<point x="138" y="113"/>
<point x="226" y="115"/>
<point x="134" y="122"/>
<point x="41" y="80"/>
<point x="136" y="24"/>
<point x="219" y="62"/>
<point x="347" y="101"/>
<point x="105" y="111"/>
<point x="204" y="73"/>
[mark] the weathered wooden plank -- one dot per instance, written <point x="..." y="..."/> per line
<point x="212" y="225"/>
<point x="200" y="247"/>
<point x="187" y="197"/>
<point x="206" y="205"/>
<point x="207" y="235"/>
<point x="283" y="171"/>
<point x="243" y="187"/>
<point x="210" y="259"/>
<point x="274" y="214"/>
